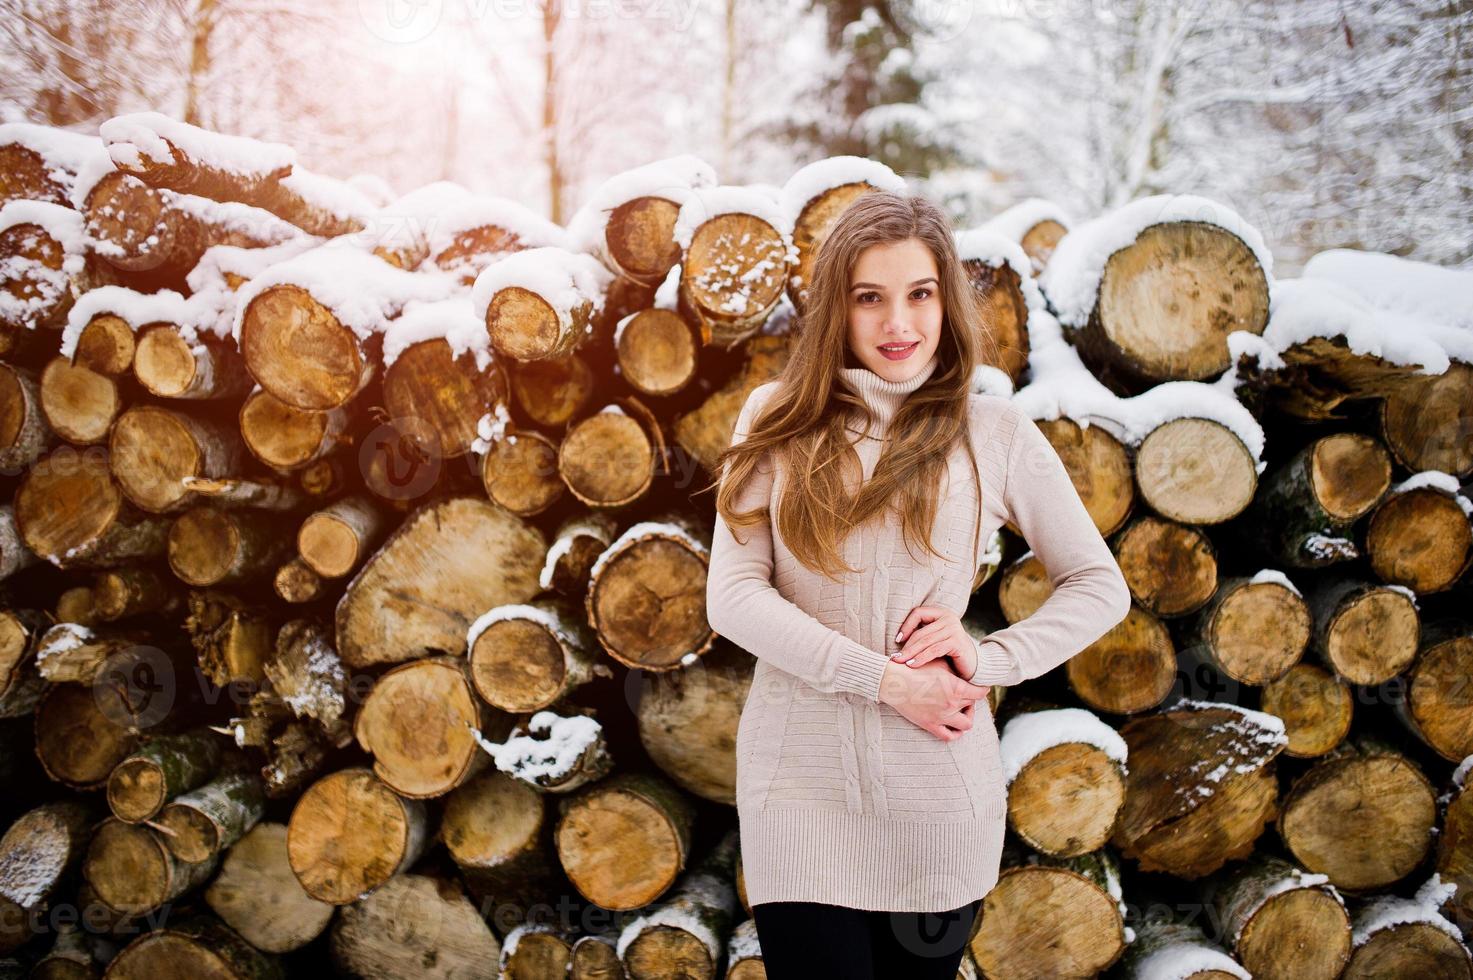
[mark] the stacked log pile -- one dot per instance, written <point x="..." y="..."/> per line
<point x="353" y="558"/>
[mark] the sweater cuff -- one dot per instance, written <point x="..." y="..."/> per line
<point x="995" y="665"/>
<point x="860" y="670"/>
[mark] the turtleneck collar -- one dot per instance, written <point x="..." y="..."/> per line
<point x="884" y="398"/>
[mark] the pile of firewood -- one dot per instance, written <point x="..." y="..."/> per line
<point x="353" y="553"/>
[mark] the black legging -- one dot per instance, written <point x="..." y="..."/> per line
<point x="804" y="940"/>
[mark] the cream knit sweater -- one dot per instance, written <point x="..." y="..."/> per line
<point x="840" y="799"/>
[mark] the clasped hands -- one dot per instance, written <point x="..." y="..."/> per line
<point x="926" y="682"/>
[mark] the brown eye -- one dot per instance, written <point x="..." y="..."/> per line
<point x="923" y="290"/>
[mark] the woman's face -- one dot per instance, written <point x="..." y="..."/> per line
<point x="895" y="302"/>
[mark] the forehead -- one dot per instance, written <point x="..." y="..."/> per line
<point x="900" y="262"/>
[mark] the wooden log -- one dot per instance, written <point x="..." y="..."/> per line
<point x="816" y="208"/>
<point x="552" y="753"/>
<point x="159" y="770"/>
<point x="1132" y="668"/>
<point x="133" y="872"/>
<point x="481" y="231"/>
<point x="527" y="656"/>
<point x="39" y="162"/>
<point x="14" y="555"/>
<point x="270" y="180"/>
<point x="520" y="469"/>
<point x="1420" y="536"/>
<point x="457" y="557"/>
<point x="1195" y="470"/>
<point x="1060" y="917"/>
<point x="646" y="595"/>
<point x="1435" y="708"/>
<point x="1164" y="948"/>
<point x="285" y="437"/>
<point x="1425" y="422"/>
<point x="1099" y="466"/>
<point x="999" y="289"/>
<point x="1064" y="779"/>
<point x="107" y="343"/>
<point x="688" y="721"/>
<point x="630" y="225"/>
<point x="38" y="853"/>
<point x="124" y="592"/>
<point x="77" y="742"/>
<point x="337" y="539"/>
<point x="75" y="654"/>
<point x="349" y="833"/>
<point x="415" y="926"/>
<point x="170" y="365"/>
<point x="1281" y="923"/>
<point x="297" y="349"/>
<point x="705" y="432"/>
<point x="1166" y="303"/>
<point x="578" y="542"/>
<point x="230" y="492"/>
<point x="498" y="830"/>
<point x="76" y="605"/>
<point x="656" y="351"/>
<point x="535" y="949"/>
<point x="1303" y="514"/>
<point x="41" y="246"/>
<point x="416" y="724"/>
<point x="1316" y="708"/>
<point x="153" y="449"/>
<point x="1454" y="859"/>
<point x="21" y="682"/>
<point x="527" y="325"/>
<point x="686" y="934"/>
<point x="1364" y="815"/>
<point x="624" y="840"/>
<point x="734" y="271"/>
<point x="24" y="432"/>
<point x="1171" y="567"/>
<point x="295" y="582"/>
<point x="78" y="403"/>
<point x="232" y="639"/>
<point x="446" y="393"/>
<point x="258" y="896"/>
<point x="1253" y="629"/>
<point x="1408" y="937"/>
<point x="308" y="675"/>
<point x="1201" y="786"/>
<point x="211" y="546"/>
<point x="198" y="946"/>
<point x="203" y="823"/>
<point x="552" y="391"/>
<point x="74" y="956"/>
<point x="1365" y="633"/>
<point x="744" y="953"/>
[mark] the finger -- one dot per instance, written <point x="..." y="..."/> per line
<point x="918" y="615"/>
<point x="921" y="632"/>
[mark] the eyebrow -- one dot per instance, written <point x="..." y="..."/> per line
<point x="874" y="285"/>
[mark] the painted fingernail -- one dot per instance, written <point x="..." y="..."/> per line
<point x="897" y="636"/>
<point x="911" y="661"/>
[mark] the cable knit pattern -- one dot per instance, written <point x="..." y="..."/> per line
<point x="839" y="798"/>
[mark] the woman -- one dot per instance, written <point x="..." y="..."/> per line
<point x="864" y="480"/>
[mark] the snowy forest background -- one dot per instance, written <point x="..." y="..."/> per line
<point x="1325" y="123"/>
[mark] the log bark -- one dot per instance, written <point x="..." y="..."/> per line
<point x="414" y="925"/>
<point x="38" y="853"/>
<point x="624" y="840"/>
<point x="575" y="547"/>
<point x="21" y="682"/>
<point x="170" y="365"/>
<point x="24" y="432"/>
<point x="121" y="593"/>
<point x="202" y="824"/>
<point x="159" y="770"/>
<point x="551" y="753"/>
<point x="1167" y="948"/>
<point x="210" y="546"/>
<point x="199" y="946"/>
<point x="349" y="833"/>
<point x="337" y="539"/>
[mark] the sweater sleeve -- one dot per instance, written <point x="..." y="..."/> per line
<point x="1090" y="594"/>
<point x="743" y="605"/>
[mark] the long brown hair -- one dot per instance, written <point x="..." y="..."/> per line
<point x="804" y="420"/>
